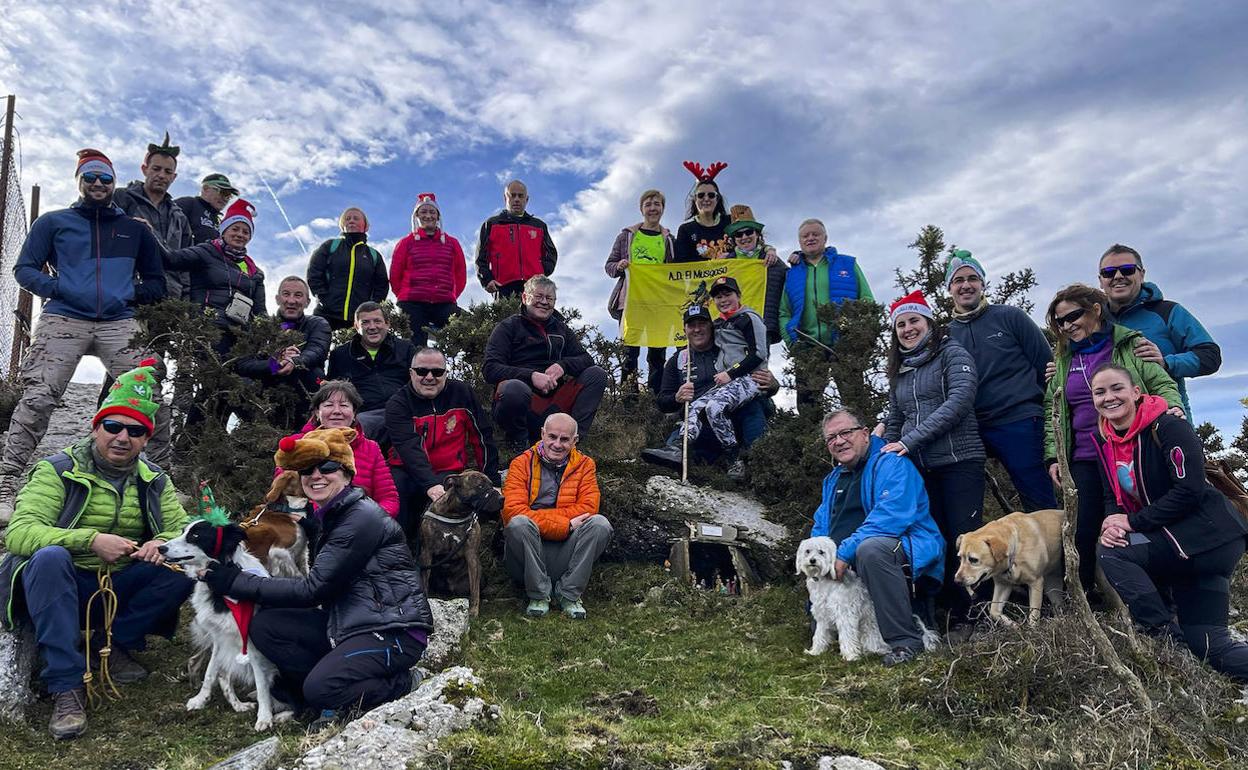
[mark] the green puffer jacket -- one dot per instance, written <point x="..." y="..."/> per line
<point x="1152" y="378"/>
<point x="40" y="502"/>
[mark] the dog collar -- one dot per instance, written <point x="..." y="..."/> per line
<point x="449" y="520"/>
<point x="216" y="549"/>
<point x="287" y="508"/>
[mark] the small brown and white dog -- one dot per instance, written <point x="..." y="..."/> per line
<point x="273" y="532"/>
<point x="450" y="536"/>
<point x="1020" y="549"/>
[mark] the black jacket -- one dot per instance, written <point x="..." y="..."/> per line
<point x="215" y="277"/>
<point x="309" y="364"/>
<point x="345" y="261"/>
<point x="377" y="379"/>
<point x="436" y="437"/>
<point x="519" y="346"/>
<point x="702" y="375"/>
<point x="204" y="219"/>
<point x="1179" y="501"/>
<point x="363" y="574"/>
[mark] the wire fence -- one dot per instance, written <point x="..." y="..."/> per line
<point x="14" y="229"/>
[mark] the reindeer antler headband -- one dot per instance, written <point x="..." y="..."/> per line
<point x="707" y="174"/>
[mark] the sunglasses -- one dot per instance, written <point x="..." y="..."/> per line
<point x="1125" y="270"/>
<point x="91" y="178"/>
<point x="113" y="427"/>
<point x="746" y="233"/>
<point x="707" y="196"/>
<point x="327" y="467"/>
<point x="425" y="371"/>
<point x="1069" y="318"/>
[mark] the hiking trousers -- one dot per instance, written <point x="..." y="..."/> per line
<point x="536" y="563"/>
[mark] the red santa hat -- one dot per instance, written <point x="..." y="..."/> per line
<point x="93" y="161"/>
<point x="240" y="211"/>
<point x="914" y="302"/>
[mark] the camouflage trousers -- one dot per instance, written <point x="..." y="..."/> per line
<point x="59" y="344"/>
<point x="718" y="404"/>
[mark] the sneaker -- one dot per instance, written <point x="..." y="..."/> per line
<point x="328" y="718"/>
<point x="736" y="471"/>
<point x="69" y="714"/>
<point x="668" y="455"/>
<point x="122" y="668"/>
<point x="538" y="608"/>
<point x="574" y="610"/>
<point x="900" y="655"/>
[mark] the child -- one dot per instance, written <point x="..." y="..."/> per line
<point x="742" y="341"/>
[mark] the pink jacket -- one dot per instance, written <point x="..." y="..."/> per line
<point x="371" y="472"/>
<point x="428" y="268"/>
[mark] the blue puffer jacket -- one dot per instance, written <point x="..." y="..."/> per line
<point x="96" y="250"/>
<point x="1188" y="349"/>
<point x="896" y="505"/>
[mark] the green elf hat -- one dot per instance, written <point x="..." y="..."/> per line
<point x="135" y="394"/>
<point x="960" y="259"/>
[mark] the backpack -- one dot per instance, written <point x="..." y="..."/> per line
<point x="1220" y="474"/>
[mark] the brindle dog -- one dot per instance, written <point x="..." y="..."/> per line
<point x="450" y="536"/>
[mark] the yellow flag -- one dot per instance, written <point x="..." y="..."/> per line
<point x="658" y="296"/>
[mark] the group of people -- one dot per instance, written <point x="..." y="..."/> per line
<point x="904" y="488"/>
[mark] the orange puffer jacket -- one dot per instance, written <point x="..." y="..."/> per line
<point x="578" y="493"/>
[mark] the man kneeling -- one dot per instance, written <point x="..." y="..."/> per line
<point x="875" y="508"/>
<point x="92" y="510"/>
<point x="553" y="530"/>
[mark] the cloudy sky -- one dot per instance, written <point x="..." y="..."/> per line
<point x="1035" y="134"/>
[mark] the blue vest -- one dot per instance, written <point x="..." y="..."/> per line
<point x="842" y="285"/>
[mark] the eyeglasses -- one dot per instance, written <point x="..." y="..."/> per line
<point x="114" y="427"/>
<point x="746" y="233"/>
<point x="425" y="371"/>
<point x="1069" y="318"/>
<point x="91" y="178"/>
<point x="541" y="297"/>
<point x="707" y="196"/>
<point x="1125" y="270"/>
<point x="843" y="434"/>
<point x="326" y="468"/>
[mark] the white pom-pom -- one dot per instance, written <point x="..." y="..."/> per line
<point x="241" y="659"/>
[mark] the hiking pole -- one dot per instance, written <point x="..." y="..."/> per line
<point x="810" y="338"/>
<point x="684" y="442"/>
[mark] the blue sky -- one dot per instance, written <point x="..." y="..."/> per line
<point x="1034" y="134"/>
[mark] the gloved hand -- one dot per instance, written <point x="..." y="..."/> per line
<point x="220" y="577"/>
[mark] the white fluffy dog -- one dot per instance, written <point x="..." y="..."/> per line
<point x="842" y="608"/>
<point x="214" y="626"/>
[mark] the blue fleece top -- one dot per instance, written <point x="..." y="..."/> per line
<point x="896" y="503"/>
<point x="1010" y="354"/>
<point x="97" y="251"/>
<point x="1188" y="349"/>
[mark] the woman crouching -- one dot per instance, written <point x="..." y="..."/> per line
<point x="1166" y="522"/>
<point x="347" y="634"/>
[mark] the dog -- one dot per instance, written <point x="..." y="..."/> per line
<point x="842" y="609"/>
<point x="450" y="536"/>
<point x="1021" y="549"/>
<point x="272" y="528"/>
<point x="214" y="626"/>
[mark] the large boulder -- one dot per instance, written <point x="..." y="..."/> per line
<point x="404" y="732"/>
<point x="258" y="756"/>
<point x="716" y="507"/>
<point x="18" y="654"/>
<point x="450" y="623"/>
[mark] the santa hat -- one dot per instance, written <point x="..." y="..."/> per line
<point x="426" y="199"/>
<point x="94" y="162"/>
<point x="135" y="394"/>
<point x="914" y="302"/>
<point x="240" y="211"/>
<point x="342" y="218"/>
<point x="960" y="259"/>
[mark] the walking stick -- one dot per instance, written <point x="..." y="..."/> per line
<point x="684" y="442"/>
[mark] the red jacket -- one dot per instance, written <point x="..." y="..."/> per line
<point x="371" y="472"/>
<point x="428" y="268"/>
<point x="512" y="249"/>
<point x="433" y="438"/>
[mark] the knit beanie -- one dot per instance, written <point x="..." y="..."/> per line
<point x="93" y="161"/>
<point x="960" y="259"/>
<point x="240" y="211"/>
<point x="135" y="394"/>
<point x="426" y="199"/>
<point x="342" y="218"/>
<point x="296" y="453"/>
<point x="914" y="302"/>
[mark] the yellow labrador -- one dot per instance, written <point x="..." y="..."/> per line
<point x="1021" y="549"/>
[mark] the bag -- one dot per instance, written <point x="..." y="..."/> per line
<point x="239" y="309"/>
<point x="1220" y="474"/>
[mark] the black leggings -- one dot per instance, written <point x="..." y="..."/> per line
<point x="956" y="495"/>
<point x="1086" y="475"/>
<point x="363" y="671"/>
<point x="425" y="316"/>
<point x="1201" y="587"/>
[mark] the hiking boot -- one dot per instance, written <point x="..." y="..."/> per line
<point x="328" y="718"/>
<point x="574" y="610"/>
<point x="69" y="714"/>
<point x="900" y="655"/>
<point x="736" y="470"/>
<point x="122" y="668"/>
<point x="538" y="608"/>
<point x="9" y="486"/>
<point x="668" y="455"/>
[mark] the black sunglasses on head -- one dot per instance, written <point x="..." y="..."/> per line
<point x="1126" y="270"/>
<point x="425" y="371"/>
<point x="113" y="427"/>
<point x="327" y="467"/>
<point x="92" y="178"/>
